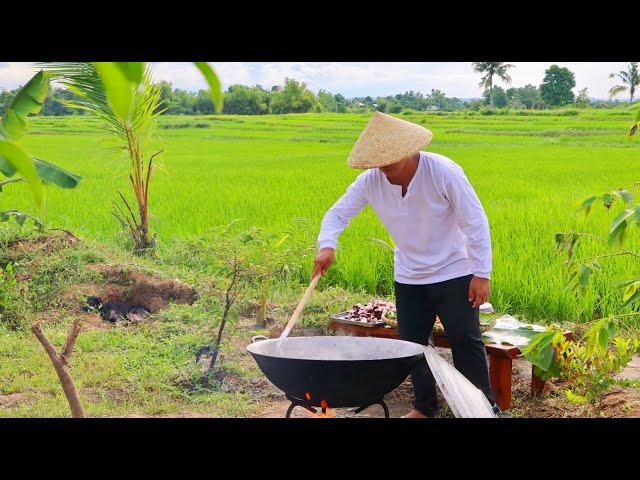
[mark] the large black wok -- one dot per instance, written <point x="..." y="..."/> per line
<point x="339" y="370"/>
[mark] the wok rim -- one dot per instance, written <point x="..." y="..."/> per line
<point x="273" y="340"/>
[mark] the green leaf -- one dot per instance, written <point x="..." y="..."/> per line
<point x="540" y="350"/>
<point x="566" y="241"/>
<point x="586" y="205"/>
<point x="6" y="167"/>
<point x="50" y="173"/>
<point x="598" y="335"/>
<point x="573" y="398"/>
<point x="29" y="100"/>
<point x="618" y="227"/>
<point x="607" y="199"/>
<point x="21" y="162"/>
<point x="585" y="272"/>
<point x="610" y="328"/>
<point x="134" y="71"/>
<point x="20" y="218"/>
<point x="625" y="195"/>
<point x="631" y="293"/>
<point x="118" y="88"/>
<point x="214" y="84"/>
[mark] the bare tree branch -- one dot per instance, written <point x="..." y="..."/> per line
<point x="61" y="365"/>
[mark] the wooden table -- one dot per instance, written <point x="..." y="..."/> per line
<point x="500" y="358"/>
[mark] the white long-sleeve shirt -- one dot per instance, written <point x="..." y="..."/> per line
<point x="439" y="228"/>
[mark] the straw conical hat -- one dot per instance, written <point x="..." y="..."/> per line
<point x="387" y="139"/>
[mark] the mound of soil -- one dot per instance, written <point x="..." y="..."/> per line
<point x="32" y="249"/>
<point x="41" y="245"/>
<point x="139" y="288"/>
<point x="113" y="283"/>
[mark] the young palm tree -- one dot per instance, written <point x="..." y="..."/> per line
<point x="131" y="135"/>
<point x="491" y="69"/>
<point x="630" y="80"/>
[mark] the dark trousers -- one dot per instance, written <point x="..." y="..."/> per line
<point x="417" y="307"/>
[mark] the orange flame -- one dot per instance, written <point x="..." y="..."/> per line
<point x="326" y="411"/>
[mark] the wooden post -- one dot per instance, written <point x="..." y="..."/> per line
<point x="500" y="376"/>
<point x="537" y="384"/>
<point x="61" y="365"/>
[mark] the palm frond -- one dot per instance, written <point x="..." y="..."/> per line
<point x="504" y="77"/>
<point x="83" y="79"/>
<point x="624" y="76"/>
<point x="617" y="90"/>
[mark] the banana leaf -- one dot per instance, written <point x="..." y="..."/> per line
<point x="50" y="173"/>
<point x="29" y="99"/>
<point x="13" y="125"/>
<point x="11" y="153"/>
<point x="508" y="330"/>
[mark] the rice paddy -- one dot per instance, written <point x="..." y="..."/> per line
<point x="530" y="172"/>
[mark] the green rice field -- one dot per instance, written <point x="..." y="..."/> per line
<point x="530" y="171"/>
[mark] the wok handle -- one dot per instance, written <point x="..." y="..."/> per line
<point x="258" y="338"/>
<point x="298" y="310"/>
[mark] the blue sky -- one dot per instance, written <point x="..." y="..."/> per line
<point x="456" y="79"/>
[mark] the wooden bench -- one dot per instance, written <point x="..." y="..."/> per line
<point x="500" y="358"/>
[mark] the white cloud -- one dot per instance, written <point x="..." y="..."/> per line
<point x="14" y="74"/>
<point x="358" y="78"/>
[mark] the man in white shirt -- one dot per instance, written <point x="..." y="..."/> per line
<point x="442" y="259"/>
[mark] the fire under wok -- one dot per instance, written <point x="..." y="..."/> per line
<point x="336" y="371"/>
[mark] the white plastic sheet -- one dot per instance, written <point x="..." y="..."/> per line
<point x="462" y="396"/>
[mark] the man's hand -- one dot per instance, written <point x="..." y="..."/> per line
<point x="323" y="260"/>
<point x="478" y="291"/>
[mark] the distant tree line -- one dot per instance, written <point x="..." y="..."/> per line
<point x="556" y="90"/>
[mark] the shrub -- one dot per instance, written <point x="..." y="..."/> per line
<point x="589" y="366"/>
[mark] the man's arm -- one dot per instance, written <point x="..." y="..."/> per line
<point x="336" y="220"/>
<point x="475" y="225"/>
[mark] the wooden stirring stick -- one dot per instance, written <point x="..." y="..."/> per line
<point x="298" y="311"/>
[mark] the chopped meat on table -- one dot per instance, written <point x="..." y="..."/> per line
<point x="376" y="311"/>
<point x="373" y="312"/>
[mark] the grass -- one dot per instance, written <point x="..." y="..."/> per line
<point x="147" y="369"/>
<point x="529" y="171"/>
